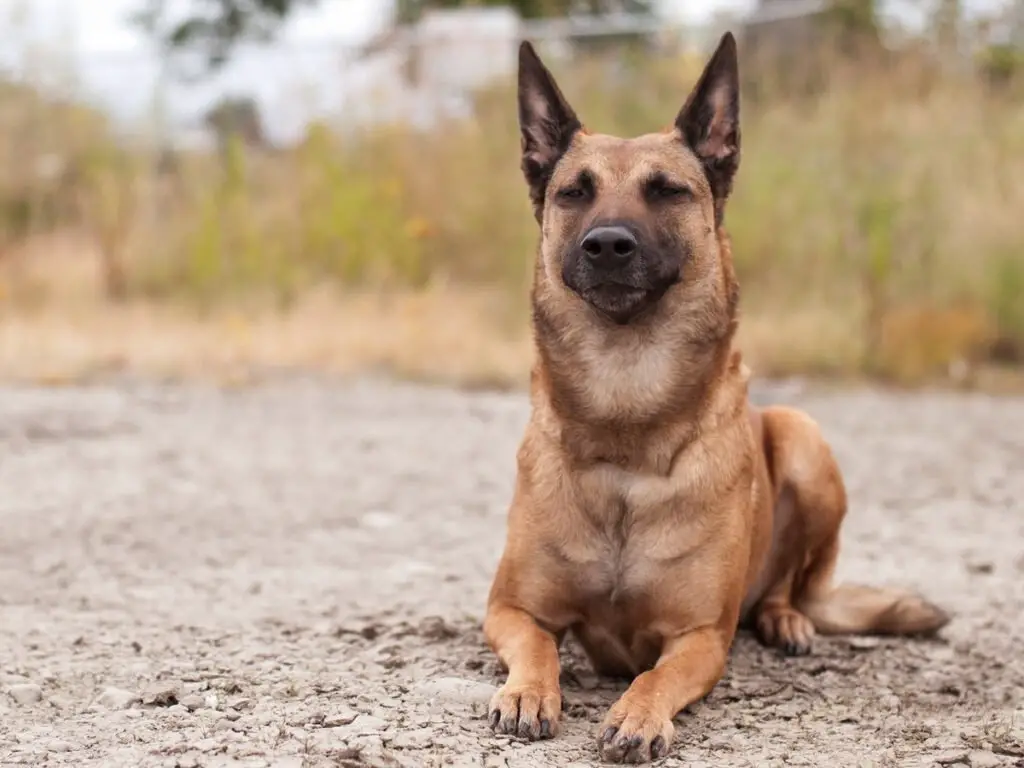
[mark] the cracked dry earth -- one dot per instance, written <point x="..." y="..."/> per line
<point x="294" y="575"/>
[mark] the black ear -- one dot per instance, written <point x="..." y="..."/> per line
<point x="709" y="122"/>
<point x="546" y="122"/>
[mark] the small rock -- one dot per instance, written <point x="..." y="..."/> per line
<point x="232" y="715"/>
<point x="421" y="738"/>
<point x="58" y="746"/>
<point x="365" y="725"/>
<point x="719" y="744"/>
<point x="457" y="693"/>
<point x="267" y="718"/>
<point x="116" y="698"/>
<point x="192" y="702"/>
<point x="436" y="628"/>
<point x="211" y="701"/>
<point x="206" y="745"/>
<point x="25" y="693"/>
<point x="240" y="704"/>
<point x="344" y="717"/>
<point x="223" y="725"/>
<point x="160" y="695"/>
<point x="980" y="759"/>
<point x="316" y="717"/>
<point x="61" y="702"/>
<point x="951" y="758"/>
<point x="863" y="643"/>
<point x="980" y="567"/>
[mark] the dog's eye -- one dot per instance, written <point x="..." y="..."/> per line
<point x="662" y="189"/>
<point x="572" y="193"/>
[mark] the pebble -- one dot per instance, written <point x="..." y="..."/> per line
<point x="117" y="698"/>
<point x="344" y="717"/>
<point x="979" y="759"/>
<point x="58" y="746"/>
<point x="863" y="643"/>
<point x="719" y="744"/>
<point x="457" y="693"/>
<point x="192" y="702"/>
<point x="61" y="702"/>
<point x="418" y="739"/>
<point x="287" y="762"/>
<point x="160" y="695"/>
<point x="365" y="725"/>
<point x="25" y="693"/>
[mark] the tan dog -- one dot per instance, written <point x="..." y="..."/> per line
<point x="655" y="509"/>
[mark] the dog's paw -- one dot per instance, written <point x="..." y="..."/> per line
<point x="633" y="734"/>
<point x="786" y="629"/>
<point x="529" y="712"/>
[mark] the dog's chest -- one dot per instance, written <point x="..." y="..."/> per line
<point x="624" y="549"/>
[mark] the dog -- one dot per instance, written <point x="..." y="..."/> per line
<point x="655" y="511"/>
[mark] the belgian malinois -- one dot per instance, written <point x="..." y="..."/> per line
<point x="655" y="509"/>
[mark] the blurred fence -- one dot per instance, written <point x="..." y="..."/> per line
<point x="875" y="219"/>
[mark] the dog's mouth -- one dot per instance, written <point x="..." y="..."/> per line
<point x="618" y="302"/>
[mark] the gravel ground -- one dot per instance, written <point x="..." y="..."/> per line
<point x="295" y="575"/>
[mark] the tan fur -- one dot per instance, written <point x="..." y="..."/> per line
<point x="655" y="510"/>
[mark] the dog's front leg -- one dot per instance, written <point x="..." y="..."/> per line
<point x="530" y="702"/>
<point x="639" y="727"/>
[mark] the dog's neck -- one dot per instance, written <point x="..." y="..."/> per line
<point x="634" y="397"/>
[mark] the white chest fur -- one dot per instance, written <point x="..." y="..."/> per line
<point x="635" y="377"/>
<point x="628" y="511"/>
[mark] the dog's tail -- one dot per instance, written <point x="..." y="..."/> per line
<point x="856" y="609"/>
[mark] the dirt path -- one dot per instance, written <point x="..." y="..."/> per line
<point x="295" y="576"/>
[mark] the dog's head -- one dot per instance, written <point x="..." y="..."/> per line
<point x="627" y="222"/>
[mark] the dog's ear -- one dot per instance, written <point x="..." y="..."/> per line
<point x="709" y="122"/>
<point x="546" y="121"/>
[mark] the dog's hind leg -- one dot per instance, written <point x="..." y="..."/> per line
<point x="777" y="622"/>
<point x="810" y="503"/>
<point x="810" y="509"/>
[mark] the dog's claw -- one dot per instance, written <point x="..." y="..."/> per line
<point x="657" y="747"/>
<point x="525" y="713"/>
<point x="608" y="735"/>
<point x="796" y="649"/>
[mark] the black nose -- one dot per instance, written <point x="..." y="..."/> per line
<point x="609" y="246"/>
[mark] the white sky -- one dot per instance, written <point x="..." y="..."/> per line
<point x="101" y="26"/>
<point x="117" y="67"/>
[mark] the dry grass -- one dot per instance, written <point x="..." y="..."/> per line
<point x="455" y="335"/>
<point x="433" y="336"/>
<point x="876" y="228"/>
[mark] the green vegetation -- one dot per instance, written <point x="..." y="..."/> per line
<point x="884" y="206"/>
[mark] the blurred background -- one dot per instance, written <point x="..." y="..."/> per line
<point x="230" y="186"/>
